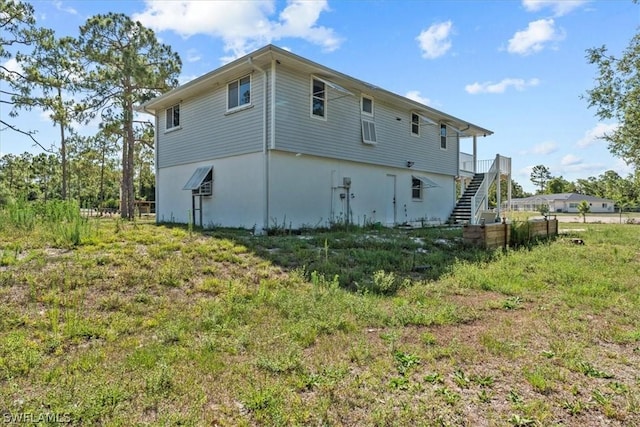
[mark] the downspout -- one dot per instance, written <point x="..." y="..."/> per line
<point x="265" y="148"/>
<point x="155" y="160"/>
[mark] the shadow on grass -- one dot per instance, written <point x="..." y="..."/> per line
<point x="376" y="260"/>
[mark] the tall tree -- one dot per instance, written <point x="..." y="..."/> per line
<point x="616" y="95"/>
<point x="539" y="176"/>
<point x="19" y="31"/>
<point x="128" y="67"/>
<point x="558" y="184"/>
<point x="53" y="73"/>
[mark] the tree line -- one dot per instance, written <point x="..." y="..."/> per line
<point x="624" y="191"/>
<point x="113" y="65"/>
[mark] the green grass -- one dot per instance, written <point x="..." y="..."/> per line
<point x="135" y="324"/>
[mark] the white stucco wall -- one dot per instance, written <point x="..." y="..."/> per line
<point x="238" y="192"/>
<point x="304" y="192"/>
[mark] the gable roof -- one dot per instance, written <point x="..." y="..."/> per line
<point x="261" y="59"/>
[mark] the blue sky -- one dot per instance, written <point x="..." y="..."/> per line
<point x="516" y="67"/>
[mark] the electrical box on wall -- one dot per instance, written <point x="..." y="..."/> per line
<point x="346" y="182"/>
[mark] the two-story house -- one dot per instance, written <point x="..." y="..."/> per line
<point x="274" y="139"/>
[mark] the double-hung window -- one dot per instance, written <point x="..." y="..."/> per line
<point x="443" y="136"/>
<point x="239" y="93"/>
<point x="318" y="99"/>
<point x="416" y="189"/>
<point x="415" y="124"/>
<point x="173" y="117"/>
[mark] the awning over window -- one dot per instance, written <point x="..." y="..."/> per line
<point x="427" y="120"/>
<point x="426" y="182"/>
<point x="197" y="178"/>
<point x="333" y="85"/>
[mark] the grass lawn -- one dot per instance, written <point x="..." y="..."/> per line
<point x="113" y="323"/>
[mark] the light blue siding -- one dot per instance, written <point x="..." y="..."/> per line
<point x="208" y="131"/>
<point x="340" y="137"/>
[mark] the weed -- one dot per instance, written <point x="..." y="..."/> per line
<point x="520" y="421"/>
<point x="460" y="378"/>
<point x="399" y="383"/>
<point x="589" y="370"/>
<point x="512" y="303"/>
<point x="405" y="361"/>
<point x="574" y="407"/>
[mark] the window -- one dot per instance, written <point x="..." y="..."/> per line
<point x="173" y="117"/>
<point x="318" y="99"/>
<point x="573" y="205"/>
<point x="443" y="136"/>
<point x="369" y="132"/>
<point x="416" y="188"/>
<point x="415" y="124"/>
<point x="604" y="205"/>
<point x="239" y="93"/>
<point x="367" y="106"/>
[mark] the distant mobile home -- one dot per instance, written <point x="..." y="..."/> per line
<point x="563" y="202"/>
<point x="274" y="139"/>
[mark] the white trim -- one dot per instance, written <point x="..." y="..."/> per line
<point x="240" y="106"/>
<point x="365" y="113"/>
<point x="166" y="122"/>
<point x="324" y="110"/>
<point x="412" y="123"/>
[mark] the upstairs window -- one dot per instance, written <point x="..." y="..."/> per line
<point x="318" y="99"/>
<point x="443" y="136"/>
<point x="415" y="124"/>
<point x="173" y="117"/>
<point x="367" y="105"/>
<point x="239" y="93"/>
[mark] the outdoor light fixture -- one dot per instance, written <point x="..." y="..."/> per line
<point x="410" y="163"/>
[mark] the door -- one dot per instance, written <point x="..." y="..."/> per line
<point x="390" y="200"/>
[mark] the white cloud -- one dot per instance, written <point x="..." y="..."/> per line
<point x="193" y="55"/>
<point x="570" y="160"/>
<point x="242" y="25"/>
<point x="559" y="7"/>
<point x="535" y="37"/>
<point x="435" y="41"/>
<point x="500" y="87"/>
<point x="593" y="135"/>
<point x="67" y="9"/>
<point x="544" y="148"/>
<point x="12" y="66"/>
<point x="416" y="96"/>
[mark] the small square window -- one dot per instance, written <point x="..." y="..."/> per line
<point x="239" y="93"/>
<point x="415" y="124"/>
<point x="173" y="117"/>
<point x="367" y="106"/>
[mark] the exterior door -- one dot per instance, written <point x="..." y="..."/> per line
<point x="390" y="200"/>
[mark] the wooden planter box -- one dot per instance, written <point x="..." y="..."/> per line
<point x="497" y="235"/>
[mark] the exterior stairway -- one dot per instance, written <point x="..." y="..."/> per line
<point x="462" y="212"/>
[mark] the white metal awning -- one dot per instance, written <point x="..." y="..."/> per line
<point x="197" y="178"/>
<point x="426" y="182"/>
<point x="333" y="85"/>
<point x="427" y="120"/>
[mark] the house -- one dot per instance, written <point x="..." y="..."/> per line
<point x="563" y="202"/>
<point x="273" y="139"/>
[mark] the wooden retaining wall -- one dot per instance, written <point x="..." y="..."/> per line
<point x="491" y="236"/>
